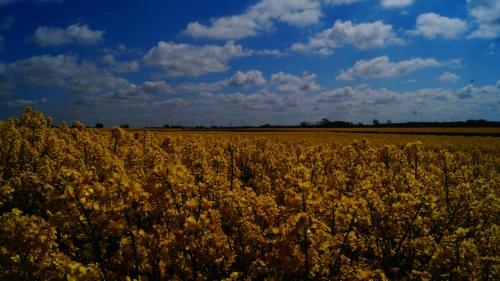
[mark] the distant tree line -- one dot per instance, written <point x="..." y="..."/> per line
<point x="326" y="123"/>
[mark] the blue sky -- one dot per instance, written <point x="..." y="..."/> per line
<point x="149" y="63"/>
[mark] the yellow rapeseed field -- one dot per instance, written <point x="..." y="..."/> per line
<point x="88" y="204"/>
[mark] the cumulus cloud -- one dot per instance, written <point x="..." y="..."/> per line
<point x="261" y="17"/>
<point x="268" y="102"/>
<point x="382" y="67"/>
<point x="486" y="15"/>
<point x="352" y="96"/>
<point x="258" y="18"/>
<point x="120" y="66"/>
<point x="432" y="25"/>
<point x="282" y="92"/>
<point x="188" y="60"/>
<point x="268" y="52"/>
<point x="341" y="2"/>
<point x="74" y="77"/>
<point x="363" y="36"/>
<point x="262" y="101"/>
<point x="410" y="81"/>
<point x="241" y="79"/>
<point x="392" y="4"/>
<point x="448" y="77"/>
<point x="49" y="70"/>
<point x="428" y="104"/>
<point x="295" y="85"/>
<point x="191" y="87"/>
<point x="279" y="82"/>
<point x="157" y="88"/>
<point x="247" y="79"/>
<point x="247" y="95"/>
<point x="487" y="93"/>
<point x="358" y="103"/>
<point x="73" y="34"/>
<point x="22" y="103"/>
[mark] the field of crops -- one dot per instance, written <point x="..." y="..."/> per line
<point x="88" y="204"/>
<point x="381" y="136"/>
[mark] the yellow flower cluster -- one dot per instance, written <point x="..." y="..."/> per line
<point x="84" y="204"/>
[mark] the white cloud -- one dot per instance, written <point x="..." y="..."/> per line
<point x="190" y="87"/>
<point x="73" y="34"/>
<point x="22" y="103"/>
<point x="49" y="70"/>
<point x="489" y="93"/>
<point x="410" y="81"/>
<point x="392" y="4"/>
<point x="247" y="79"/>
<point x="282" y="97"/>
<point x="293" y="84"/>
<point x="285" y="92"/>
<point x="381" y="67"/>
<point x="486" y="15"/>
<point x="239" y="103"/>
<point x="261" y="17"/>
<point x="61" y="71"/>
<point x="120" y="66"/>
<point x="157" y="88"/>
<point x="279" y="82"/>
<point x="363" y="36"/>
<point x="432" y="25"/>
<point x="341" y="2"/>
<point x="269" y="103"/>
<point x="241" y="79"/>
<point x="258" y="18"/>
<point x="357" y="96"/>
<point x="448" y="77"/>
<point x="455" y="63"/>
<point x="188" y="60"/>
<point x="365" y="103"/>
<point x="268" y="52"/>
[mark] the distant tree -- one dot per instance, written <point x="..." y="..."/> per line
<point x="166" y="126"/>
<point x="375" y="122"/>
<point x="388" y="122"/>
<point x="304" y="124"/>
<point x="124" y="126"/>
<point x="325" y="122"/>
<point x="99" y="125"/>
